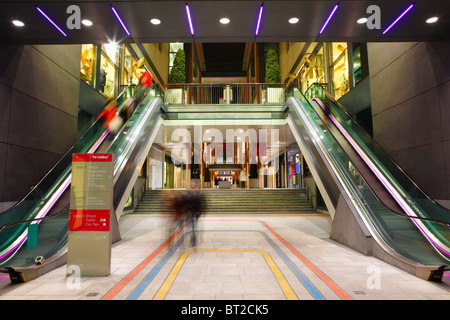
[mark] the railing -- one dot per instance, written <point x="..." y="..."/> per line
<point x="225" y="93"/>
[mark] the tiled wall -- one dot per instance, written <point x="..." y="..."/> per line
<point x="39" y="89"/>
<point x="410" y="91"/>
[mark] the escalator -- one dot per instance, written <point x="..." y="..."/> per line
<point x="358" y="179"/>
<point x="34" y="232"/>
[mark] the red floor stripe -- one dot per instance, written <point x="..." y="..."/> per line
<point x="114" y="291"/>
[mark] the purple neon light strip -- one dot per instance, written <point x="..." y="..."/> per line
<point x="329" y="18"/>
<point x="259" y="20"/>
<point x="393" y="23"/>
<point x="51" y="21"/>
<point x="188" y="13"/>
<point x="120" y="20"/>
<point x="383" y="180"/>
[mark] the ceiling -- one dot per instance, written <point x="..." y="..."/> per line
<point x="274" y="26"/>
<point x="223" y="59"/>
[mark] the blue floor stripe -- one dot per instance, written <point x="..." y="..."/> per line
<point x="144" y="283"/>
<point x="149" y="278"/>
<point x="308" y="285"/>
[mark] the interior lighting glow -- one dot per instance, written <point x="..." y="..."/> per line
<point x="86" y="22"/>
<point x="432" y="20"/>
<point x="396" y="20"/>
<point x="224" y="21"/>
<point x="51" y="21"/>
<point x="261" y="9"/>
<point x="188" y="13"/>
<point x="362" y="20"/>
<point x="155" y="21"/>
<point x="120" y="20"/>
<point x="329" y="18"/>
<point x="18" y="23"/>
<point x="293" y="20"/>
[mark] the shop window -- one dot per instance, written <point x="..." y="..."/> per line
<point x="88" y="63"/>
<point x="313" y="71"/>
<point x="130" y="75"/>
<point x="339" y="69"/>
<point x="109" y="69"/>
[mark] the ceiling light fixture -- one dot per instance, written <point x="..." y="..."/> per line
<point x="18" y="23"/>
<point x="396" y="20"/>
<point x="362" y="20"/>
<point x="86" y="22"/>
<point x="120" y="20"/>
<point x="293" y="20"/>
<point x="51" y="21"/>
<point x="188" y="13"/>
<point x="329" y="18"/>
<point x="155" y="21"/>
<point x="259" y="19"/>
<point x="224" y="21"/>
<point x="432" y="19"/>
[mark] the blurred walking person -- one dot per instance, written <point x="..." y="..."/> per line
<point x="176" y="214"/>
<point x="195" y="206"/>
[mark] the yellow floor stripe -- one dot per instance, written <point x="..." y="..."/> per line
<point x="165" y="287"/>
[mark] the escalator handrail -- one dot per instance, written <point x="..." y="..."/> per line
<point x="59" y="161"/>
<point x="328" y="95"/>
<point x="31" y="220"/>
<point x="402" y="214"/>
<point x="54" y="215"/>
<point x="437" y="245"/>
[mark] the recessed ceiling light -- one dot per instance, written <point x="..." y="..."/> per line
<point x="224" y="21"/>
<point x="155" y="21"/>
<point x="432" y="20"/>
<point x="362" y="20"/>
<point x="293" y="20"/>
<point x="18" y="23"/>
<point x="86" y="22"/>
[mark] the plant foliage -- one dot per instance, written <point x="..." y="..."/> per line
<point x="272" y="67"/>
<point x="178" y="71"/>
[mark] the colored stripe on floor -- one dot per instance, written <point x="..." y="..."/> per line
<point x="313" y="291"/>
<point x="308" y="285"/>
<point x="287" y="290"/>
<point x="333" y="286"/>
<point x="114" y="291"/>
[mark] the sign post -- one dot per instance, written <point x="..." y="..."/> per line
<point x="91" y="209"/>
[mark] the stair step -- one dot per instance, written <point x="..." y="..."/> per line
<point x="235" y="201"/>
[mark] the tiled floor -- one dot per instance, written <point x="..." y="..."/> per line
<point x="237" y="257"/>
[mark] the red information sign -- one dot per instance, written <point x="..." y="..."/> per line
<point x="92" y="157"/>
<point x="89" y="220"/>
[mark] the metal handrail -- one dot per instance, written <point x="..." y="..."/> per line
<point x="225" y="93"/>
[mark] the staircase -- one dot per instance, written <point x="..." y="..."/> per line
<point x="236" y="201"/>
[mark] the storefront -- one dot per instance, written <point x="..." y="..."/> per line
<point x="339" y="66"/>
<point x="314" y="69"/>
<point x="108" y="68"/>
<point x="339" y="69"/>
